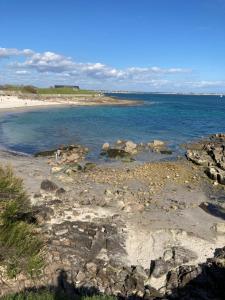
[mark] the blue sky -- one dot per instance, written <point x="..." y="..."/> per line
<point x="145" y="45"/>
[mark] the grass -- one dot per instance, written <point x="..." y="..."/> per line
<point x="46" y="295"/>
<point x="27" y="89"/>
<point x="46" y="91"/>
<point x="64" y="91"/>
<point x="20" y="246"/>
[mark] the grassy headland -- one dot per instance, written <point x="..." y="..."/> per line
<point x="28" y="89"/>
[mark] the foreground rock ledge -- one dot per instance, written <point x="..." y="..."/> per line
<point x="129" y="231"/>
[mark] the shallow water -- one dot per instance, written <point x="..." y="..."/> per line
<point x="173" y="118"/>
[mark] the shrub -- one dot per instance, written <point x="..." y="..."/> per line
<point x="20" y="247"/>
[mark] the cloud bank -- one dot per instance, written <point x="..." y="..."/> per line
<point x="26" y="64"/>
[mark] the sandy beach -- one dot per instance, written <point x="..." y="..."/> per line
<point x="26" y="101"/>
<point x="10" y="102"/>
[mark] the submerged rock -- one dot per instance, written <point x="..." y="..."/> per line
<point x="116" y="153"/>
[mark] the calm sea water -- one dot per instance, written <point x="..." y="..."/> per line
<point x="173" y="118"/>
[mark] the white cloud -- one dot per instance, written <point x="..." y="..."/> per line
<point x="7" y="52"/>
<point x="207" y="83"/>
<point x="22" y="72"/>
<point x="56" y="63"/>
<point x="58" y="68"/>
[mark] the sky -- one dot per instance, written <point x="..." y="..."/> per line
<point x="135" y="45"/>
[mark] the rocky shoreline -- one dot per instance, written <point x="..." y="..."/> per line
<point x="152" y="230"/>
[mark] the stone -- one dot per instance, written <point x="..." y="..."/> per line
<point x="48" y="186"/>
<point x="56" y="169"/>
<point x="80" y="276"/>
<point x="216" y="173"/>
<point x="105" y="146"/>
<point x="89" y="166"/>
<point x="60" y="192"/>
<point x="168" y="255"/>
<point x="42" y="213"/>
<point x="159" y="267"/>
<point x="61" y="232"/>
<point x="199" y="157"/>
<point x="212" y="173"/>
<point x="92" y="267"/>
<point x="158" y="143"/>
<point x="130" y="147"/>
<point x="116" y="153"/>
<point x="220" y="227"/>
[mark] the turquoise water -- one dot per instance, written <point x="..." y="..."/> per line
<point x="173" y="118"/>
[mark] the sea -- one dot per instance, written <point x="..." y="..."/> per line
<point x="173" y="118"/>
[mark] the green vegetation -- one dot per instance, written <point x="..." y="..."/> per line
<point x="64" y="91"/>
<point x="28" y="89"/>
<point x="20" y="247"/>
<point x="46" y="295"/>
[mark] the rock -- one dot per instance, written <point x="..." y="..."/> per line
<point x="61" y="232"/>
<point x="89" y="166"/>
<point x="199" y="157"/>
<point x="166" y="152"/>
<point x="42" y="213"/>
<point x="60" y="192"/>
<point x="74" y="157"/>
<point x="48" y="186"/>
<point x="56" y="169"/>
<point x="158" y="143"/>
<point x="130" y="147"/>
<point x="216" y="173"/>
<point x="80" y="276"/>
<point x="92" y="267"/>
<point x="173" y="257"/>
<point x="168" y="255"/>
<point x="127" y="159"/>
<point x="159" y="146"/>
<point x="159" y="267"/>
<point x="220" y="227"/>
<point x="116" y="153"/>
<point x="105" y="146"/>
<point x="67" y="154"/>
<point x="72" y="168"/>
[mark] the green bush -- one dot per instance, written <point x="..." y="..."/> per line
<point x="20" y="247"/>
<point x="46" y="295"/>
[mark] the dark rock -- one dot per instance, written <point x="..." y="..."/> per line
<point x="116" y="153"/>
<point x="42" y="213"/>
<point x="159" y="267"/>
<point x="89" y="166"/>
<point x="166" y="152"/>
<point x="48" y="186"/>
<point x="60" y="192"/>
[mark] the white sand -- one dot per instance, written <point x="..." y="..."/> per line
<point x="7" y="102"/>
